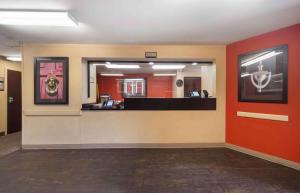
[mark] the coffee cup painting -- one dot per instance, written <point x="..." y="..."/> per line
<point x="263" y="75"/>
<point x="51" y="81"/>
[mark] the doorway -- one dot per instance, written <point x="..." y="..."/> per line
<point x="191" y="84"/>
<point x="14" y="101"/>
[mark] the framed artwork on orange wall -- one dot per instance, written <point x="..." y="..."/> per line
<point x="51" y="79"/>
<point x="263" y="75"/>
<point x="134" y="87"/>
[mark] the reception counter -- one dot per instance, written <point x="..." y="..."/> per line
<point x="161" y="104"/>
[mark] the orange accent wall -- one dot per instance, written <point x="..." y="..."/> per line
<point x="157" y="87"/>
<point x="281" y="139"/>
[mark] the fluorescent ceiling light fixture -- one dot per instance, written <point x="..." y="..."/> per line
<point x="168" y="67"/>
<point x="133" y="79"/>
<point x="14" y="58"/>
<point x="151" y="63"/>
<point x="105" y="74"/>
<point x="36" y="18"/>
<point x="261" y="58"/>
<point x="117" y="66"/>
<point x="164" y="74"/>
<point x="194" y="63"/>
<point x="107" y="62"/>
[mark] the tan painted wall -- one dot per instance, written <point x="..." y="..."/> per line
<point x="4" y="65"/>
<point x="67" y="125"/>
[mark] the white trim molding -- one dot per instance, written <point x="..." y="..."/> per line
<point x="264" y="156"/>
<point x="263" y="116"/>
<point x="52" y="112"/>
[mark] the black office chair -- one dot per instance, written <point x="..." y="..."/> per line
<point x="205" y="93"/>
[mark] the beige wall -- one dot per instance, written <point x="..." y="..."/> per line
<point x="4" y="65"/>
<point x="66" y="124"/>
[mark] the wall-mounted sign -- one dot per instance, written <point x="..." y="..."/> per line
<point x="150" y="54"/>
<point x="1" y="83"/>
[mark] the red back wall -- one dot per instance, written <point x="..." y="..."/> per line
<point x="281" y="139"/>
<point x="157" y="87"/>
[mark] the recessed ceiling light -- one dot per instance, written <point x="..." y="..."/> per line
<point x="168" y="67"/>
<point x="104" y="74"/>
<point x="116" y="66"/>
<point x="151" y="63"/>
<point x="36" y="18"/>
<point x="164" y="74"/>
<point x="14" y="58"/>
<point x="194" y="63"/>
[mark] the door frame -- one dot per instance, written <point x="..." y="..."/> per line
<point x="6" y="68"/>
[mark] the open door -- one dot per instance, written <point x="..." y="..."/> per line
<point x="14" y="101"/>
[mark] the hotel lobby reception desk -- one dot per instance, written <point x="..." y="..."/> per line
<point x="170" y="103"/>
<point x="162" y="104"/>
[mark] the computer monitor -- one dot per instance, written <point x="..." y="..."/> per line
<point x="109" y="103"/>
<point x="195" y="93"/>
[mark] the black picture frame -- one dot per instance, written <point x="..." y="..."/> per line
<point x="284" y="71"/>
<point x="65" y="92"/>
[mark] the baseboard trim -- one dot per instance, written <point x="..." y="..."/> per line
<point x="264" y="156"/>
<point x="123" y="145"/>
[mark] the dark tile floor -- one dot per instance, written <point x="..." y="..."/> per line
<point x="143" y="171"/>
<point x="10" y="143"/>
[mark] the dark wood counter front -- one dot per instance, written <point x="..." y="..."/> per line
<point x="160" y="104"/>
<point x="170" y="104"/>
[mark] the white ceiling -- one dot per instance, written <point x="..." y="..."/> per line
<point x="152" y="21"/>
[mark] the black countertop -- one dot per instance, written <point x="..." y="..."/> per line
<point x="160" y="104"/>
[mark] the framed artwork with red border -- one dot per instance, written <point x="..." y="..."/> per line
<point x="51" y="80"/>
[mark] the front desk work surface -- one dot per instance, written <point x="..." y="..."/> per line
<point x="159" y="104"/>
